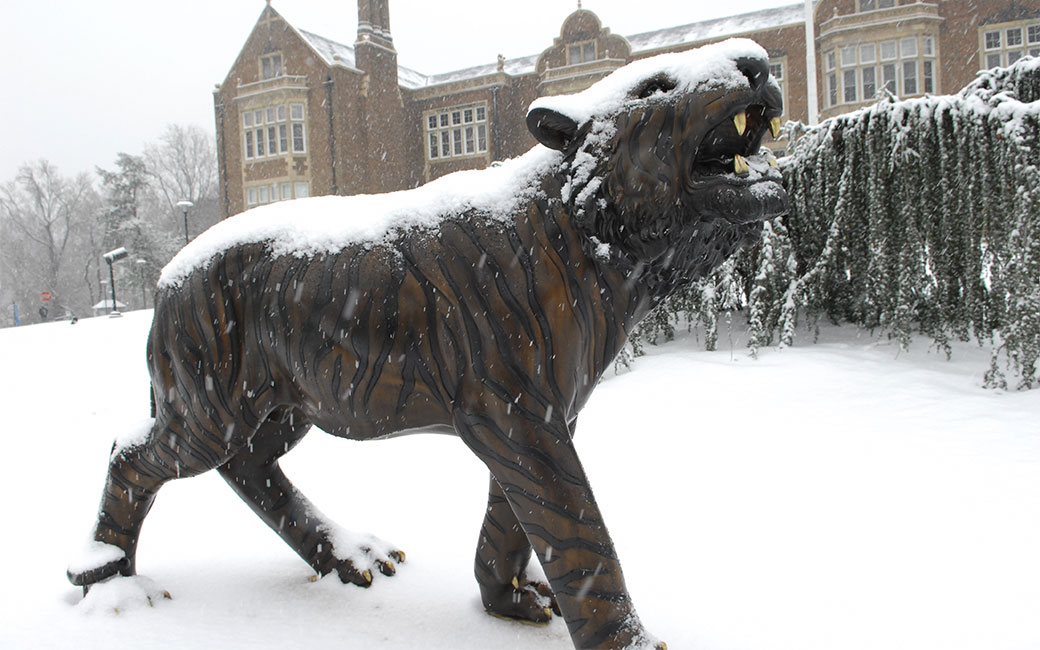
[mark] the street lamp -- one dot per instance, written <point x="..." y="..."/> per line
<point x="185" y="204"/>
<point x="110" y="257"/>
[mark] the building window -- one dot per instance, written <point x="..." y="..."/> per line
<point x="456" y="132"/>
<point x="849" y="85"/>
<point x="871" y="5"/>
<point x="274" y="192"/>
<point x="908" y="47"/>
<point x="888" y="50"/>
<point x="581" y="53"/>
<point x="848" y="56"/>
<point x="266" y="131"/>
<point x="270" y="66"/>
<point x="888" y="77"/>
<point x="910" y="77"/>
<point x="776" y="69"/>
<point x="903" y="69"/>
<point x="869" y="83"/>
<point x="1006" y="43"/>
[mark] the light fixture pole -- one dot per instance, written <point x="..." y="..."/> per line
<point x="140" y="274"/>
<point x="110" y="257"/>
<point x="185" y="204"/>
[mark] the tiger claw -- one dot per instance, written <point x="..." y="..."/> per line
<point x="367" y="575"/>
<point x="398" y="555"/>
<point x="387" y="568"/>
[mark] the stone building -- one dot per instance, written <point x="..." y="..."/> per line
<point x="302" y="115"/>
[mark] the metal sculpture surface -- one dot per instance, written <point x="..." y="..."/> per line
<point x="492" y="325"/>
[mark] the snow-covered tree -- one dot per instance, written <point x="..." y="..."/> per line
<point x="920" y="216"/>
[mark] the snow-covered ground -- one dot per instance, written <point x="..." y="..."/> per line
<point x="835" y="496"/>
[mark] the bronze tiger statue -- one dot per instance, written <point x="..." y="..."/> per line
<point x="492" y="319"/>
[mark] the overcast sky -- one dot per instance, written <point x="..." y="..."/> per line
<point x="87" y="79"/>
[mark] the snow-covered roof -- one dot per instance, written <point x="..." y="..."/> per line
<point x="514" y="67"/>
<point x="107" y="304"/>
<point x="338" y="54"/>
<point x="332" y="52"/>
<point x="718" y="28"/>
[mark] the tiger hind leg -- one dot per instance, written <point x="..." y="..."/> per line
<point x="503" y="553"/>
<point x="255" y="475"/>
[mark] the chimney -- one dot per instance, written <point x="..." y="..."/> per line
<point x="374" y="23"/>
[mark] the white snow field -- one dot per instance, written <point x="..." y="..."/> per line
<point x="835" y="496"/>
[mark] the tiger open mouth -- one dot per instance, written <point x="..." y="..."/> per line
<point x="732" y="175"/>
<point x="728" y="147"/>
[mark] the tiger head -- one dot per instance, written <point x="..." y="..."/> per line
<point x="662" y="168"/>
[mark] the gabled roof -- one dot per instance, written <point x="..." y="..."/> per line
<point x="333" y="53"/>
<point x="338" y="54"/>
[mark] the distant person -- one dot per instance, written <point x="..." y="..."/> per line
<point x="43" y="313"/>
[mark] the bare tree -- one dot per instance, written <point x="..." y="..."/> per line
<point x="183" y="166"/>
<point x="43" y="211"/>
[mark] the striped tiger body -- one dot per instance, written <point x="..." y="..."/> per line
<point x="494" y="329"/>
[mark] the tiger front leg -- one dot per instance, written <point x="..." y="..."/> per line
<point x="537" y="467"/>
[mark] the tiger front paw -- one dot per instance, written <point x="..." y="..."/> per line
<point x="354" y="556"/>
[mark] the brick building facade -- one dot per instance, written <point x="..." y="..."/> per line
<point x="302" y="115"/>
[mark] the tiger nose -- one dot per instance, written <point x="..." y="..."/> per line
<point x="755" y="69"/>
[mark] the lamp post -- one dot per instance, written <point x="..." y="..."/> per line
<point x="140" y="274"/>
<point x="111" y="257"/>
<point x="184" y="204"/>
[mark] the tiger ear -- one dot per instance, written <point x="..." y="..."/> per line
<point x="554" y="130"/>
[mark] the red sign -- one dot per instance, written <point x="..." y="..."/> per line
<point x="45" y="296"/>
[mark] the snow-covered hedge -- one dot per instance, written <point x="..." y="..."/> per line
<point x="907" y="216"/>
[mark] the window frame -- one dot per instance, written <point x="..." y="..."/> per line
<point x="584" y="55"/>
<point x="272" y="66"/>
<point x="268" y="132"/>
<point x="451" y="132"/>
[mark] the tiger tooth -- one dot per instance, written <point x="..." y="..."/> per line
<point x="774" y="127"/>
<point x="740" y="121"/>
<point x="740" y="165"/>
<point x="773" y="162"/>
<point x="516" y="584"/>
